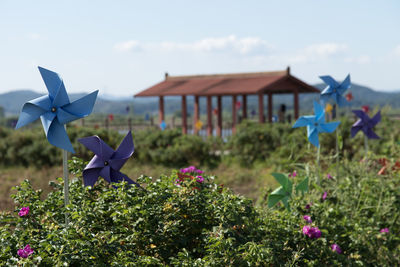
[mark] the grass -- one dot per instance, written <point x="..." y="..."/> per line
<point x="244" y="181"/>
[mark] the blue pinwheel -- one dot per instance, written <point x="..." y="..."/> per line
<point x="55" y="110"/>
<point x="334" y="90"/>
<point x="316" y="124"/>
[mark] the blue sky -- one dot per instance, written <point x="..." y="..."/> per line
<point x="121" y="47"/>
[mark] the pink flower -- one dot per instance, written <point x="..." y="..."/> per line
<point x="311" y="232"/>
<point x="199" y="171"/>
<point x="308" y="206"/>
<point x="330" y="177"/>
<point x="199" y="179"/>
<point x="324" y="195"/>
<point x="191" y="168"/>
<point x="293" y="174"/>
<point x="25" y="252"/>
<point x="384" y="230"/>
<point x="307" y="218"/>
<point x="306" y="229"/>
<point x="336" y="248"/>
<point x="23" y="212"/>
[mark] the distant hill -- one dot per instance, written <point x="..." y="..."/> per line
<point x="14" y="100"/>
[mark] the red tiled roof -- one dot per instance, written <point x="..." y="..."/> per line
<point x="278" y="82"/>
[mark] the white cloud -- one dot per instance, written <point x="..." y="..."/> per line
<point x="33" y="36"/>
<point x="317" y="52"/>
<point x="397" y="50"/>
<point x="231" y="43"/>
<point x="127" y="46"/>
<point x="363" y="59"/>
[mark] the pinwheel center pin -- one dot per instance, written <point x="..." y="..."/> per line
<point x="53" y="109"/>
<point x="105" y="163"/>
<point x="316" y="124"/>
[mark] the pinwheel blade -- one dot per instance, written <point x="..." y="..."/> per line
<point x="355" y="129"/>
<point x="346" y="84"/>
<point x="376" y="119"/>
<point x="52" y="81"/>
<point x="329" y="127"/>
<point x="284" y="181"/>
<point x="58" y="137"/>
<point x="304" y="121"/>
<point x="302" y="186"/>
<point x="90" y="176"/>
<point x="83" y="106"/>
<point x="97" y="146"/>
<point x="370" y="134"/>
<point x="61" y="98"/>
<point x="361" y="114"/>
<point x="318" y="110"/>
<point x="276" y="196"/>
<point x="117" y="177"/>
<point x="123" y="152"/>
<point x="32" y="110"/>
<point x="329" y="81"/>
<point x="313" y="137"/>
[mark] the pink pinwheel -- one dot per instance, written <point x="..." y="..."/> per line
<point x="107" y="162"/>
<point x="365" y="124"/>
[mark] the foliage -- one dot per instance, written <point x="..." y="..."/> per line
<point x="188" y="223"/>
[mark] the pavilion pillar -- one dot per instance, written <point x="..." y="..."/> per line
<point x="209" y="116"/>
<point x="234" y="116"/>
<point x="270" y="106"/>
<point x="219" y="116"/>
<point x="196" y="114"/>
<point x="184" y="115"/>
<point x="244" y="97"/>
<point x="261" y="107"/>
<point x="160" y="109"/>
<point x="296" y="104"/>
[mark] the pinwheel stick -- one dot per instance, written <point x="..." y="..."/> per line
<point x="66" y="180"/>
<point x="318" y="165"/>
<point x="337" y="153"/>
<point x="366" y="146"/>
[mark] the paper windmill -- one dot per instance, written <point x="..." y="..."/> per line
<point x="365" y="124"/>
<point x="284" y="192"/>
<point x="334" y="90"/>
<point x="107" y="162"/>
<point x="163" y="125"/>
<point x="55" y="110"/>
<point x="316" y="124"/>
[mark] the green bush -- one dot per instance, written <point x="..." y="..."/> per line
<point x="187" y="223"/>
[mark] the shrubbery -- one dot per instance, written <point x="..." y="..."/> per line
<point x="187" y="221"/>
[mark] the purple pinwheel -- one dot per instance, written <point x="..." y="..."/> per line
<point x="55" y="110"/>
<point x="365" y="124"/>
<point x="334" y="90"/>
<point x="107" y="162"/>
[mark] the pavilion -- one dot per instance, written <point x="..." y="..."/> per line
<point x="244" y="84"/>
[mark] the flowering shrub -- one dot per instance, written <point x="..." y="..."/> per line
<point x="203" y="224"/>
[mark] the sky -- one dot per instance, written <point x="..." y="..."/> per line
<point x="122" y="47"/>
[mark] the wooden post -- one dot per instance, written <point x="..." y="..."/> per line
<point x="209" y="116"/>
<point x="296" y="104"/>
<point x="244" y="97"/>
<point x="184" y="115"/>
<point x="270" y="107"/>
<point x="106" y="123"/>
<point x="160" y="109"/>
<point x="234" y="116"/>
<point x="261" y="107"/>
<point x="196" y="113"/>
<point x="83" y="122"/>
<point x="219" y="116"/>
